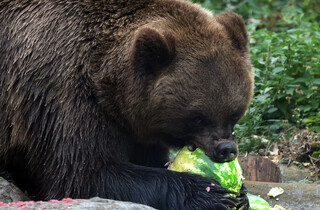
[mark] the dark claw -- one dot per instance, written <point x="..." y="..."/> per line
<point x="234" y="199"/>
<point x="243" y="190"/>
<point x="242" y="208"/>
<point x="230" y="201"/>
<point x="244" y="202"/>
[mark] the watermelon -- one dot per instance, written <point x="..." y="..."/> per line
<point x="257" y="203"/>
<point x="229" y="174"/>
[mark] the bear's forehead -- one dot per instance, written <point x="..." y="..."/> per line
<point x="203" y="88"/>
<point x="199" y="37"/>
<point x="198" y="26"/>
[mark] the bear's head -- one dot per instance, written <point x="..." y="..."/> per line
<point x="192" y="82"/>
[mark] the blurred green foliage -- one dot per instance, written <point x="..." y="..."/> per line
<point x="262" y="9"/>
<point x="285" y="53"/>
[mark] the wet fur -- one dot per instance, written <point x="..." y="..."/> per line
<point x="83" y="85"/>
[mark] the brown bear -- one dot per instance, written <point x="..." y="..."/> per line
<point x="93" y="94"/>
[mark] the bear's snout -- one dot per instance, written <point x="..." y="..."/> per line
<point x="225" y="152"/>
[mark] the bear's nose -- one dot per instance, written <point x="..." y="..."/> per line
<point x="225" y="152"/>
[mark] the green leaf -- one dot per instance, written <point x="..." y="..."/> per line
<point x="316" y="81"/>
<point x="271" y="110"/>
<point x="277" y="70"/>
<point x="300" y="99"/>
<point x="262" y="98"/>
<point x="267" y="89"/>
<point x="315" y="129"/>
<point x="290" y="91"/>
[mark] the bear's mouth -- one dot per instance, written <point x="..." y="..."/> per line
<point x="221" y="150"/>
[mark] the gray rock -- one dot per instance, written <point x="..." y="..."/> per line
<point x="12" y="197"/>
<point x="293" y="173"/>
<point x="10" y="193"/>
<point x="95" y="203"/>
<point x="297" y="196"/>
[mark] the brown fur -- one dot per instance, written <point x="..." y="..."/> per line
<point x="89" y="89"/>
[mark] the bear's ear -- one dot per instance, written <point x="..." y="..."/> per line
<point x="151" y="50"/>
<point x="236" y="30"/>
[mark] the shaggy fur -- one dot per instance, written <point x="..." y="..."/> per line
<point x="92" y="94"/>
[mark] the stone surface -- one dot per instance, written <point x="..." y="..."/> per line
<point x="293" y="173"/>
<point x="12" y="197"/>
<point x="68" y="203"/>
<point x="10" y="193"/>
<point x="298" y="196"/>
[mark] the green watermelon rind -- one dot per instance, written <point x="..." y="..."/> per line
<point x="229" y="174"/>
<point x="257" y="203"/>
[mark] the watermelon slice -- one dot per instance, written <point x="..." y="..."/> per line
<point x="229" y="174"/>
<point x="257" y="203"/>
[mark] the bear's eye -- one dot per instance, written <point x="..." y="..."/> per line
<point x="199" y="121"/>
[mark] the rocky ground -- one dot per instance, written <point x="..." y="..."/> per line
<point x="295" y="196"/>
<point x="13" y="198"/>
